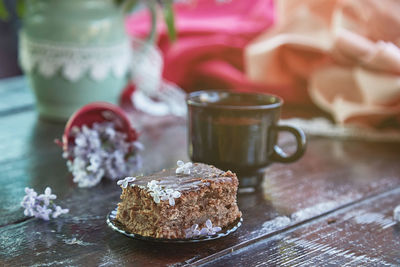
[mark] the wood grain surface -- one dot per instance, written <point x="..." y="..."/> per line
<point x="332" y="207"/>
<point x="363" y="234"/>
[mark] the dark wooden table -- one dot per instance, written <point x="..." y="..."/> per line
<point x="332" y="207"/>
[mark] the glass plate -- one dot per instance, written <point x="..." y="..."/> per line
<point x="118" y="227"/>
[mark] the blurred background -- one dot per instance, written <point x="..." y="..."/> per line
<point x="9" y="43"/>
<point x="339" y="59"/>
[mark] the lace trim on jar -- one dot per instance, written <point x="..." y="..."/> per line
<point x="74" y="61"/>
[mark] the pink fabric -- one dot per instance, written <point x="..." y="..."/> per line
<point x="344" y="54"/>
<point x="211" y="40"/>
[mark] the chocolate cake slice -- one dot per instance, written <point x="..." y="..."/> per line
<point x="188" y="201"/>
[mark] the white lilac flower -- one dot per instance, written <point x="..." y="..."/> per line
<point x="102" y="151"/>
<point x="170" y="195"/>
<point x="43" y="212"/>
<point x="47" y="196"/>
<point x="158" y="193"/>
<point x="192" y="231"/>
<point x="82" y="177"/>
<point x="205" y="231"/>
<point x="124" y="182"/>
<point x="30" y="192"/>
<point x="94" y="163"/>
<point x="58" y="211"/>
<point x="110" y="132"/>
<point x="41" y="206"/>
<point x="28" y="202"/>
<point x="155" y="190"/>
<point x="153" y="184"/>
<point x="210" y="229"/>
<point x="139" y="146"/>
<point x="80" y="140"/>
<point x="396" y="213"/>
<point x="183" y="168"/>
<point x="156" y="197"/>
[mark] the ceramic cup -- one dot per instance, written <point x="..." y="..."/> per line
<point x="238" y="131"/>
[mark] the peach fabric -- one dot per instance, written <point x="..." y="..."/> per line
<point x="344" y="54"/>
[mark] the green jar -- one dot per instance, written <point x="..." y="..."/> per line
<point x="74" y="52"/>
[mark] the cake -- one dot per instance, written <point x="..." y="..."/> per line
<point x="188" y="201"/>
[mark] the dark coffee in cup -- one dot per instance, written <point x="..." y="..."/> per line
<point x="238" y="131"/>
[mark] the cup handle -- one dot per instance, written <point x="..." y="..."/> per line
<point x="279" y="155"/>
